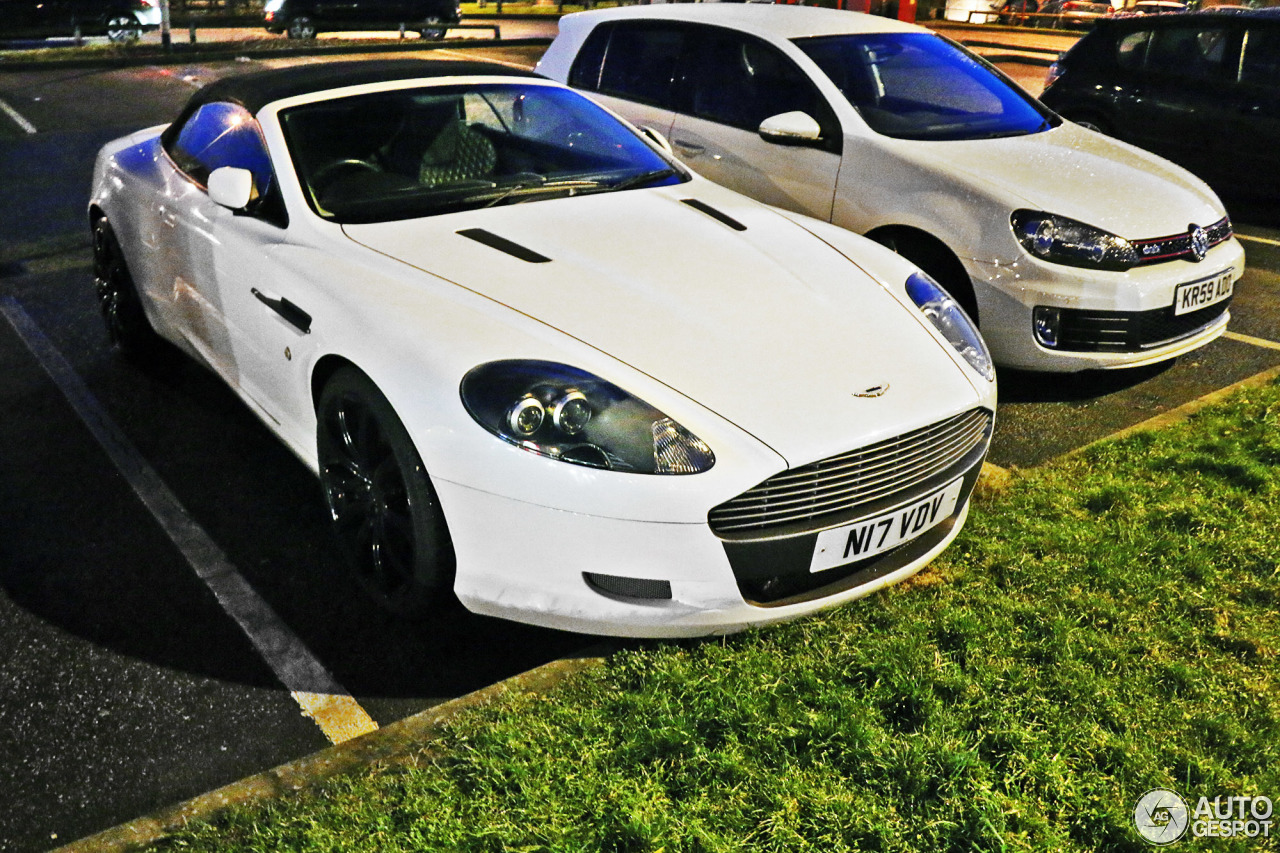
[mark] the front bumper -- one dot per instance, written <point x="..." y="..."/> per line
<point x="687" y="581"/>
<point x="1008" y="295"/>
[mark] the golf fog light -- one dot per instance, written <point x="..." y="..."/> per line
<point x="1046" y="321"/>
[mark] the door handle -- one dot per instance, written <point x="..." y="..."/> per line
<point x="292" y="314"/>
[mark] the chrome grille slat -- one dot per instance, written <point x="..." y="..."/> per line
<point x="848" y="480"/>
<point x="861" y="489"/>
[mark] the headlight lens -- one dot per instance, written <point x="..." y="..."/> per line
<point x="949" y="319"/>
<point x="1065" y="241"/>
<point x="568" y="414"/>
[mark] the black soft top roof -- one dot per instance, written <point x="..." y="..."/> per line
<point x="256" y="90"/>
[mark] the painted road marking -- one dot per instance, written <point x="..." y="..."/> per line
<point x="315" y="690"/>
<point x="1249" y="339"/>
<point x="1264" y="240"/>
<point x="17" y="117"/>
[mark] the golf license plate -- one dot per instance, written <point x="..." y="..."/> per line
<point x="1195" y="295"/>
<point x="870" y="536"/>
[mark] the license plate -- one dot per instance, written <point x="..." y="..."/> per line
<point x="1195" y="295"/>
<point x="871" y="536"/>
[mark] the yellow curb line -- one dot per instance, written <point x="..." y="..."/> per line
<point x="1185" y="411"/>
<point x="391" y="743"/>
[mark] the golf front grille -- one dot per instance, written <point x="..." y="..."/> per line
<point x="820" y="493"/>
<point x="1130" y="331"/>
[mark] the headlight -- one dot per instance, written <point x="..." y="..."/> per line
<point x="568" y="414"/>
<point x="273" y="5"/>
<point x="1065" y="241"/>
<point x="949" y="319"/>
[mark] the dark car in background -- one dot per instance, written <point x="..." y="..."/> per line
<point x="119" y="20"/>
<point x="303" y="19"/>
<point x="1072" y="14"/>
<point x="1202" y="90"/>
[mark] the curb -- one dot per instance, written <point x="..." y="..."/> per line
<point x="393" y="743"/>
<point x="183" y="54"/>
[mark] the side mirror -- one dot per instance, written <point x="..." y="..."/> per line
<point x="231" y="187"/>
<point x="658" y="138"/>
<point x="794" y="128"/>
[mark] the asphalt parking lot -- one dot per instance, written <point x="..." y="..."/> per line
<point x="128" y="682"/>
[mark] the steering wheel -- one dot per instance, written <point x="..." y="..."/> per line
<point x="329" y="172"/>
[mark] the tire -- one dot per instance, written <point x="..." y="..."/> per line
<point x="433" y="29"/>
<point x="933" y="256"/>
<point x="126" y="322"/>
<point x="123" y="29"/>
<point x="386" y="517"/>
<point x="301" y="27"/>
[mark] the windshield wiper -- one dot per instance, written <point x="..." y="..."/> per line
<point x="643" y="178"/>
<point x="528" y="188"/>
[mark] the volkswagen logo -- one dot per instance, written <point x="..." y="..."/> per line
<point x="1199" y="242"/>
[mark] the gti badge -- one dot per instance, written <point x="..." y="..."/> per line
<point x="1199" y="242"/>
<point x="874" y="390"/>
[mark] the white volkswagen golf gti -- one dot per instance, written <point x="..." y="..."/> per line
<point x="536" y="363"/>
<point x="1072" y="251"/>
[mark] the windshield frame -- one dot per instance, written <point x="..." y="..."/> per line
<point x="585" y="149"/>
<point x="850" y="63"/>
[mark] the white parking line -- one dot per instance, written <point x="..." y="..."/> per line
<point x="315" y="690"/>
<point x="1266" y="241"/>
<point x="17" y="117"/>
<point x="463" y="54"/>
<point x="1249" y="339"/>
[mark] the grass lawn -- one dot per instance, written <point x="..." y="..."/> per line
<point x="1104" y="626"/>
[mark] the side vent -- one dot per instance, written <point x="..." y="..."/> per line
<point x="717" y="215"/>
<point x="502" y="244"/>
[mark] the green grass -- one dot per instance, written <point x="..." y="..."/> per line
<point x="1104" y="626"/>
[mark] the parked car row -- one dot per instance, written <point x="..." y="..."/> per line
<point x="119" y="20"/>
<point x="714" y="366"/>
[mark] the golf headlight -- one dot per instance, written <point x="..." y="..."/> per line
<point x="1065" y="241"/>
<point x="949" y="319"/>
<point x="568" y="414"/>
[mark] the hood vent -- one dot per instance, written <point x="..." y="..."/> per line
<point x="502" y="244"/>
<point x="714" y="214"/>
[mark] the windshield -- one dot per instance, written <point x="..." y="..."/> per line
<point x="420" y="152"/>
<point x="920" y="86"/>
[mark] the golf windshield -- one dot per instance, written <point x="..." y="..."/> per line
<point x="921" y="86"/>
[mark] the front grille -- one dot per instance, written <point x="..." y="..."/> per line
<point x="1182" y="246"/>
<point x="821" y="493"/>
<point x="1130" y="331"/>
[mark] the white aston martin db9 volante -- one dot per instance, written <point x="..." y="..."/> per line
<point x="534" y="361"/>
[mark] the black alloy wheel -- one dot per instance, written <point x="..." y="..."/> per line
<point x="127" y="324"/>
<point x="301" y="27"/>
<point x="386" y="516"/>
<point x="123" y="29"/>
<point x="433" y="29"/>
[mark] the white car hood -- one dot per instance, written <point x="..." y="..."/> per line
<point x="769" y="328"/>
<point x="1082" y="175"/>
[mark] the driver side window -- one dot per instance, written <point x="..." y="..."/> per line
<point x="222" y="134"/>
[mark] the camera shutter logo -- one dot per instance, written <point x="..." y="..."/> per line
<point x="1161" y="816"/>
